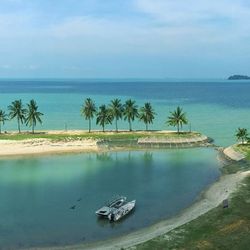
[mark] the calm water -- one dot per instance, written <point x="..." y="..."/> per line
<point x="216" y="108"/>
<point x="37" y="193"/>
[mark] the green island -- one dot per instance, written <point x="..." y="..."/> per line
<point x="96" y="135"/>
<point x="49" y="142"/>
<point x="104" y="115"/>
<point x="238" y="77"/>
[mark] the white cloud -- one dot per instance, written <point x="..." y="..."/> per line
<point x="6" y="66"/>
<point x="15" y="24"/>
<point x="80" y="26"/>
<point x="98" y="35"/>
<point x="212" y="20"/>
<point x="154" y="28"/>
<point x="31" y="67"/>
<point x="207" y="26"/>
<point x="192" y="11"/>
<point x="172" y="26"/>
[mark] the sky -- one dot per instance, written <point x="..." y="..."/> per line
<point x="124" y="38"/>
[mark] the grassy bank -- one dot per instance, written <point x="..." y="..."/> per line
<point x="220" y="228"/>
<point x="243" y="148"/>
<point x="97" y="135"/>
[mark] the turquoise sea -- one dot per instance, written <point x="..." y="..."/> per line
<point x="37" y="192"/>
<point x="215" y="108"/>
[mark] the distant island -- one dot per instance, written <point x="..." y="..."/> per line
<point x="239" y="77"/>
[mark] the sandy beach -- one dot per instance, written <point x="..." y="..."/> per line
<point x="211" y="198"/>
<point x="45" y="146"/>
<point x="72" y="143"/>
<point x="233" y="155"/>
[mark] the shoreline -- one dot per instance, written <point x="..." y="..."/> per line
<point x="209" y="199"/>
<point x="36" y="147"/>
<point x="77" y="141"/>
<point x="72" y="143"/>
<point x="232" y="154"/>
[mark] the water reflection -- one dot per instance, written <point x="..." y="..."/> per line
<point x="104" y="157"/>
<point x="148" y="158"/>
<point x="37" y="193"/>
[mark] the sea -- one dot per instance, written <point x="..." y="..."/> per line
<point x="50" y="201"/>
<point x="213" y="107"/>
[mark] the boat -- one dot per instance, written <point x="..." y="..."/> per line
<point x="115" y="203"/>
<point x="118" y="213"/>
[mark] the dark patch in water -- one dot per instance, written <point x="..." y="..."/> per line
<point x="234" y="94"/>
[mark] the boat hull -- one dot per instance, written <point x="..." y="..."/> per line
<point x="114" y="204"/>
<point x="117" y="214"/>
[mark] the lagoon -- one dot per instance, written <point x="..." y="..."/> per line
<point x="37" y="193"/>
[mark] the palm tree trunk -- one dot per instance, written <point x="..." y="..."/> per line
<point x="146" y="126"/>
<point x="116" y="128"/>
<point x="103" y="128"/>
<point x="18" y="122"/>
<point x="0" y="128"/>
<point x="130" y="126"/>
<point x="33" y="128"/>
<point x="89" y="125"/>
<point x="178" y="128"/>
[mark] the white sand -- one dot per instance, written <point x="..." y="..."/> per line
<point x="233" y="155"/>
<point x="45" y="146"/>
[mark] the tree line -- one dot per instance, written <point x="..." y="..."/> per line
<point x="242" y="135"/>
<point x="106" y="114"/>
<point x="128" y="111"/>
<point x="28" y="114"/>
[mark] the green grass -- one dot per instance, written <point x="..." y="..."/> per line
<point x="218" y="229"/>
<point x="243" y="148"/>
<point x="235" y="167"/>
<point x="95" y="135"/>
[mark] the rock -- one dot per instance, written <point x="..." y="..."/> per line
<point x="225" y="203"/>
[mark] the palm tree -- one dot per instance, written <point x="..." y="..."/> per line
<point x="33" y="115"/>
<point x="88" y="110"/>
<point x="147" y="114"/>
<point x="242" y="134"/>
<point x="3" y="118"/>
<point x="116" y="109"/>
<point x="103" y="116"/>
<point x="177" y="118"/>
<point x="17" y="110"/>
<point x="130" y="112"/>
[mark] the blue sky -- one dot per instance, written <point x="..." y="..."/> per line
<point x="124" y="38"/>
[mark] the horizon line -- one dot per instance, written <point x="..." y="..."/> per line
<point x="114" y="78"/>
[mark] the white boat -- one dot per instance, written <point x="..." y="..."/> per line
<point x="113" y="204"/>
<point x="117" y="213"/>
